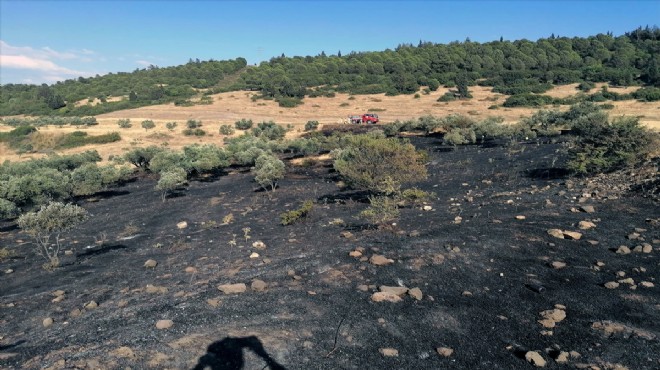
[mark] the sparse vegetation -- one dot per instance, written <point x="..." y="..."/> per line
<point x="50" y="221"/>
<point x="290" y="217"/>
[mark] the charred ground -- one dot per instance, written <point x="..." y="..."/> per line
<point x="475" y="262"/>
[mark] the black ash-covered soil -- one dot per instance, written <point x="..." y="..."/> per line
<point x="478" y="256"/>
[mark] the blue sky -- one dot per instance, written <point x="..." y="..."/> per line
<point x="47" y="41"/>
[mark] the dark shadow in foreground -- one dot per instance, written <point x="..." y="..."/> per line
<point x="227" y="354"/>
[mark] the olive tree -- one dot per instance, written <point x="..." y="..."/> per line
<point x="148" y="124"/>
<point x="268" y="170"/>
<point x="170" y="180"/>
<point x="50" y="221"/>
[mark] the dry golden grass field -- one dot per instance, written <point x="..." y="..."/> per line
<point x="232" y="106"/>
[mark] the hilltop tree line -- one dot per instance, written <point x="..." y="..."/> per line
<point x="151" y="85"/>
<point x="511" y="67"/>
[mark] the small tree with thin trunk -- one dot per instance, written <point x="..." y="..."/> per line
<point x="51" y="220"/>
<point x="268" y="171"/>
<point x="170" y="180"/>
<point x="148" y="124"/>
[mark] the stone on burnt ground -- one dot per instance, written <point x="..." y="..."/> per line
<point x="232" y="288"/>
<point x="380" y="260"/>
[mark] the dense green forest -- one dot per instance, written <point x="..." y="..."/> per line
<point x="511" y="67"/>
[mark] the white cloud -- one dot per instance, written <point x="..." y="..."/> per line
<point x="144" y="63"/>
<point x="45" y="61"/>
<point x="25" y="62"/>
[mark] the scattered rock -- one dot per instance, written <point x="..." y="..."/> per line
<point x="47" y="322"/>
<point x="58" y="299"/>
<point x="535" y="358"/>
<point x="164" y="324"/>
<point x="628" y="281"/>
<point x="427" y="208"/>
<point x="213" y="302"/>
<point x="633" y="236"/>
<point x="611" y="285"/>
<point x="363" y="287"/>
<point x="520" y="217"/>
<point x="190" y="270"/>
<point x="547" y="323"/>
<point x="623" y="250"/>
<point x="58" y="293"/>
<point x="593" y="242"/>
<point x="346" y="234"/>
<point x="572" y="235"/>
<point x="609" y="328"/>
<point x="647" y="248"/>
<point x="150" y="264"/>
<point x="154" y="289"/>
<point x="9" y="271"/>
<point x="356" y="254"/>
<point x="75" y="312"/>
<point x="259" y="245"/>
<point x="182" y="225"/>
<point x="232" y="288"/>
<point x="647" y="284"/>
<point x="556" y="315"/>
<point x="558" y="265"/>
<point x="586" y="225"/>
<point x="389" y="352"/>
<point x="562" y="358"/>
<point x="385" y="297"/>
<point x="458" y="219"/>
<point x="466" y="293"/>
<point x="380" y="260"/>
<point x="398" y="290"/>
<point x="444" y="351"/>
<point x="588" y="209"/>
<point x="258" y="285"/>
<point x="124" y="352"/>
<point x="556" y="233"/>
<point x="91" y="305"/>
<point x="254" y="255"/>
<point x="416" y="293"/>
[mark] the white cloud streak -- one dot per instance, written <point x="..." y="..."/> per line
<point x="45" y="61"/>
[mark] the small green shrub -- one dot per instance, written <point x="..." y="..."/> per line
<point x="124" y="123"/>
<point x="268" y="170"/>
<point x="269" y="130"/>
<point x="243" y="124"/>
<point x="170" y="180"/>
<point x="227" y="130"/>
<point x="311" y="125"/>
<point x="171" y="125"/>
<point x="194" y="132"/>
<point x="193" y="124"/>
<point x="417" y="196"/>
<point x="647" y="94"/>
<point x="288" y="218"/>
<point x="603" y="146"/>
<point x="586" y="86"/>
<point x="447" y="97"/>
<point x="289" y="102"/>
<point x="8" y="209"/>
<point x="381" y="210"/>
<point x="379" y="164"/>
